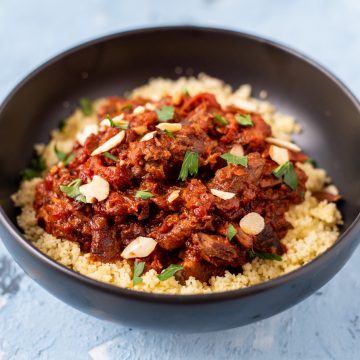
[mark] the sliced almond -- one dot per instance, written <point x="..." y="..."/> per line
<point x="86" y="132"/>
<point x="150" y="106"/>
<point x="98" y="189"/>
<point x="222" y="194"/>
<point x="148" y="136"/>
<point x="243" y="104"/>
<point x="140" y="247"/>
<point x="174" y="195"/>
<point x="279" y="154"/>
<point x="283" y="143"/>
<point x="140" y="130"/>
<point x="237" y="150"/>
<point x="252" y="223"/>
<point x="331" y="189"/>
<point x="117" y="120"/>
<point x="139" y="110"/>
<point x="110" y="144"/>
<point x="173" y="127"/>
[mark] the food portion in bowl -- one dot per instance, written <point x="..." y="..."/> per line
<point x="182" y="187"/>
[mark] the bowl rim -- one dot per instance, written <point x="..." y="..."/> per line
<point x="143" y="296"/>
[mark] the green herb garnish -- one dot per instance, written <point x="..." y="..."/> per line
<point x="244" y="120"/>
<point x="311" y="161"/>
<point x="165" y="113"/>
<point x="138" y="270"/>
<point x="266" y="256"/>
<point x="186" y="92"/>
<point x="236" y="160"/>
<point x="190" y="165"/>
<point x="169" y="133"/>
<point x="61" y="125"/>
<point x="86" y="106"/>
<point x="38" y="165"/>
<point x="169" y="272"/>
<point x="72" y="190"/>
<point x="110" y="156"/>
<point x="63" y="156"/>
<point x="143" y="194"/>
<point x="127" y="107"/>
<point x="231" y="232"/>
<point x="221" y="120"/>
<point x="115" y="125"/>
<point x="287" y="174"/>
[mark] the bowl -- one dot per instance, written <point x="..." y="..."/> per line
<point x="327" y="111"/>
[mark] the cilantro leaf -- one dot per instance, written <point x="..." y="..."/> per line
<point x="86" y="106"/>
<point x="165" y="113"/>
<point x="72" y="190"/>
<point x="113" y="124"/>
<point x="169" y="272"/>
<point x="110" y="156"/>
<point x="231" y="232"/>
<point x="220" y="120"/>
<point x="169" y="133"/>
<point x="244" y="120"/>
<point x="63" y="156"/>
<point x="236" y="160"/>
<point x="138" y="270"/>
<point x="262" y="255"/>
<point x="287" y="174"/>
<point x="190" y="165"/>
<point x="38" y="165"/>
<point x="143" y="194"/>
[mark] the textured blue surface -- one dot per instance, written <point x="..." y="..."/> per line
<point x="34" y="325"/>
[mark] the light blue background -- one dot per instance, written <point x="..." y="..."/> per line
<point x="34" y="325"/>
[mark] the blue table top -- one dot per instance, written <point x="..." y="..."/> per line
<point x="35" y="325"/>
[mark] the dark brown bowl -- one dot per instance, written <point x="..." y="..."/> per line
<point x="328" y="112"/>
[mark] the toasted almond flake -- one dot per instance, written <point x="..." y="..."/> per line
<point x="117" y="120"/>
<point x="122" y="162"/>
<point x="222" y="194"/>
<point x="173" y="127"/>
<point x="252" y="223"/>
<point x="148" y="136"/>
<point x="174" y="195"/>
<point x="283" y="143"/>
<point x="150" y="106"/>
<point x="110" y="144"/>
<point x="177" y="98"/>
<point x="86" y="132"/>
<point x="332" y="189"/>
<point x="140" y="247"/>
<point x="279" y="154"/>
<point x="237" y="150"/>
<point x="98" y="189"/>
<point x="243" y="104"/>
<point x="139" y="110"/>
<point x="140" y="130"/>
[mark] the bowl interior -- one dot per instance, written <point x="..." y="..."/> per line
<point x="329" y="116"/>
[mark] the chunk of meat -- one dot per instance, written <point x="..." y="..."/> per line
<point x="267" y="241"/>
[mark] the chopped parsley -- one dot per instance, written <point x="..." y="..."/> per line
<point x="165" y="113"/>
<point x="110" y="156"/>
<point x="266" y="256"/>
<point x="72" y="190"/>
<point x="143" y="194"/>
<point x="38" y="165"/>
<point x="169" y="272"/>
<point x="138" y="270"/>
<point x="190" y="165"/>
<point x="115" y="125"/>
<point x="63" y="156"/>
<point x="244" y="120"/>
<point x="127" y="107"/>
<point x="169" y="133"/>
<point x="220" y="120"/>
<point x="86" y="106"/>
<point x="287" y="174"/>
<point x="231" y="232"/>
<point x="236" y="160"/>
